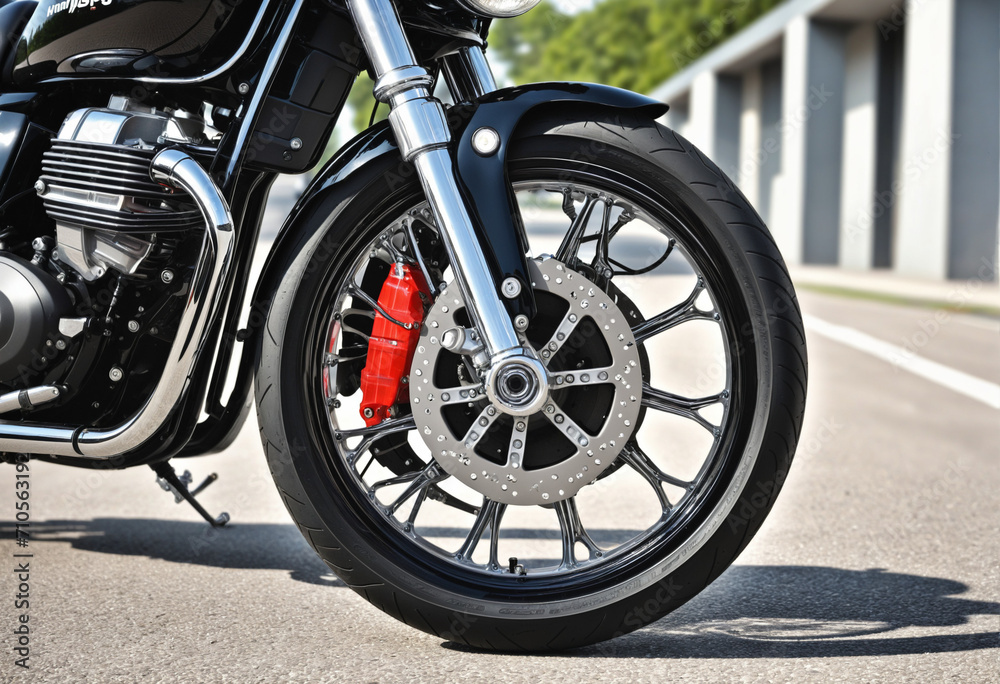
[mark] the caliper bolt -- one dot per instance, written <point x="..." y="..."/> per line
<point x="368" y="413"/>
<point x="521" y="322"/>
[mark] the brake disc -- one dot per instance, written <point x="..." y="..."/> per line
<point x="595" y="388"/>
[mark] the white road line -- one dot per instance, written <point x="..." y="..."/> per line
<point x="955" y="380"/>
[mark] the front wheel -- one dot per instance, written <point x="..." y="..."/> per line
<point x="674" y="347"/>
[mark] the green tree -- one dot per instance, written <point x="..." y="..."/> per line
<point x="634" y="44"/>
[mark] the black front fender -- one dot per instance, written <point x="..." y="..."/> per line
<point x="482" y="180"/>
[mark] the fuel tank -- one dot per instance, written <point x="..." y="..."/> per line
<point x="155" y="38"/>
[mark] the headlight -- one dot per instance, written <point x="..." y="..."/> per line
<point x="499" y="8"/>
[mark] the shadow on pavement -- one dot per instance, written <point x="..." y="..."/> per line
<point x="252" y="546"/>
<point x="750" y="612"/>
<point x="809" y="612"/>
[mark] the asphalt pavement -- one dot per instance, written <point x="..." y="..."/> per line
<point x="879" y="561"/>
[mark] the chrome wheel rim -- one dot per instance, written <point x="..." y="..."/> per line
<point x="399" y="500"/>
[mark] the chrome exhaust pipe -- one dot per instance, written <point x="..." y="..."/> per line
<point x="173" y="167"/>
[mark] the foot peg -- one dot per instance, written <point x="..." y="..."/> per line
<point x="169" y="481"/>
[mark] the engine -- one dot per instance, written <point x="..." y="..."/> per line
<point x="96" y="187"/>
<point x="75" y="306"/>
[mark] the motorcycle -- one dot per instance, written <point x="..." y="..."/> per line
<point x="528" y="368"/>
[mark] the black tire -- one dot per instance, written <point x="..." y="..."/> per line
<point x="771" y="345"/>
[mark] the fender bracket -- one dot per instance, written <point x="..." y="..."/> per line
<point x="483" y="180"/>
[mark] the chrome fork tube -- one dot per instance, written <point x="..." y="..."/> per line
<point x="421" y="128"/>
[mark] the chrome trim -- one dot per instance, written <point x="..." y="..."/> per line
<point x="176" y="168"/>
<point x="29" y="398"/>
<point x="418" y="120"/>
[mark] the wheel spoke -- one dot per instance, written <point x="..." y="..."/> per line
<point x="571" y="241"/>
<point x="674" y="316"/>
<point x="566" y="425"/>
<point x="637" y="459"/>
<point x="682" y="406"/>
<point x="372" y="433"/>
<point x="430" y="475"/>
<point x="573" y="532"/>
<point x="483" y="519"/>
<point x="498" y="512"/>
<point x="587" y="376"/>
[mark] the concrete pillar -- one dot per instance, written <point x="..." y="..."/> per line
<point x="678" y="115"/>
<point x="858" y="187"/>
<point x="808" y="222"/>
<point x="701" y="126"/>
<point x="922" y="240"/>
<point x="975" y="152"/>
<point x="750" y="136"/>
<point x="728" y="104"/>
<point x="770" y="150"/>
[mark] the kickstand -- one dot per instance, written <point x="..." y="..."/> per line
<point x="169" y="481"/>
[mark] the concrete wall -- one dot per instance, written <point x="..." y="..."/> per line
<point x="975" y="152"/>
<point x="865" y="132"/>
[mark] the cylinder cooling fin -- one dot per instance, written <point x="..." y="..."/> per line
<point x="107" y="187"/>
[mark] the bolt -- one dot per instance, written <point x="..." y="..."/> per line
<point x="40" y="187"/>
<point x="520" y="426"/>
<point x="560" y="419"/>
<point x="295" y="143"/>
<point x="133" y="326"/>
<point x="244" y="88"/>
<point x="60" y="344"/>
<point x="521" y="322"/>
<point x="511" y="288"/>
<point x="286" y="155"/>
<point x="368" y="413"/>
<point x="116" y="374"/>
<point x="167" y="276"/>
<point x="550" y="409"/>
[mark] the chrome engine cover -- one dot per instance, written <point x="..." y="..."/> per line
<point x="96" y="186"/>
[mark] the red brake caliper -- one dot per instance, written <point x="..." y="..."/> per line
<point x="391" y="347"/>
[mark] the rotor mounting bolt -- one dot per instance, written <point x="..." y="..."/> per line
<point x="511" y="287"/>
<point x="521" y="322"/>
<point x="115" y="374"/>
<point x="485" y="141"/>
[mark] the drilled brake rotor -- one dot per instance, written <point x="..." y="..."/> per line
<point x="595" y="388"/>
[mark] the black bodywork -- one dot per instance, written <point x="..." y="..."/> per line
<point x="261" y="110"/>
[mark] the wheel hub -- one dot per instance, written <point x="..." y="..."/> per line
<point x="518" y="386"/>
<point x="536" y="428"/>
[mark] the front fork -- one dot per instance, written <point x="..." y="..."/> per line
<point x="421" y="129"/>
